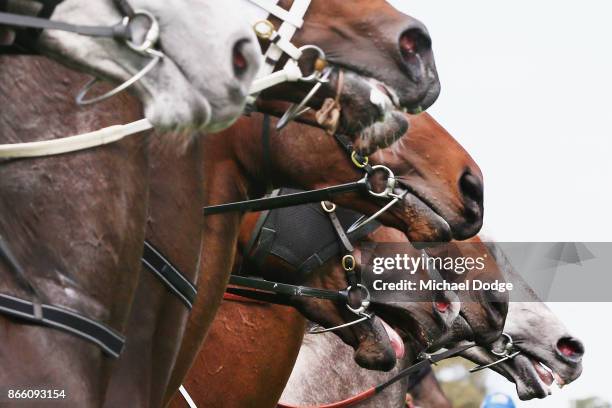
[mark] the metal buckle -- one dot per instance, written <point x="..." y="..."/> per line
<point x="506" y="354"/>
<point x="361" y="165"/>
<point x="330" y="209"/>
<point x="365" y="301"/>
<point x="348" y="263"/>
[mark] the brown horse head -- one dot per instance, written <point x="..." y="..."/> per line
<point x="445" y="198"/>
<point x="375" y="40"/>
<point x="379" y="49"/>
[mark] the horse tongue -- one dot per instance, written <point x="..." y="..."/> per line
<point x="396" y="340"/>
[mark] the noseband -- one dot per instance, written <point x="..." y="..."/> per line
<point x="280" y="45"/>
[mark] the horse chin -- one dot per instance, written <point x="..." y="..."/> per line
<point x="376" y="350"/>
<point x="371" y="112"/>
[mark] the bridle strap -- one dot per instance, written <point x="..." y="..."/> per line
<point x="119" y="31"/>
<point x="255" y="286"/>
<point x="69" y="144"/>
<point x="293" y="16"/>
<point x="61" y="318"/>
<point x="125" y="8"/>
<point x="169" y="275"/>
<point x="288" y="200"/>
<point x="426" y="360"/>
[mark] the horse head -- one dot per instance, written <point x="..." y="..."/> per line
<point x="548" y="352"/>
<point x="210" y="57"/>
<point x="381" y="63"/>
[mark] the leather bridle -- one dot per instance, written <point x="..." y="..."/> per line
<point x="120" y="32"/>
<point x="356" y="296"/>
<point x="280" y="44"/>
<point x="394" y="191"/>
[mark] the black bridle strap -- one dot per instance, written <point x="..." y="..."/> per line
<point x="124" y="8"/>
<point x="170" y="276"/>
<point x="288" y="200"/>
<point x="61" y="318"/>
<point x="254" y="286"/>
<point x="118" y="31"/>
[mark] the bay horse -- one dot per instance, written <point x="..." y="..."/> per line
<point x="314" y="159"/>
<point x="177" y="90"/>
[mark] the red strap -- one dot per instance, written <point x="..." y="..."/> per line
<point x="340" y="404"/>
<point x="236" y="298"/>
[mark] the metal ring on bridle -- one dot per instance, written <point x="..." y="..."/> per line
<point x="365" y="301"/>
<point x="506" y="354"/>
<point x="390" y="186"/>
<point x="316" y="75"/>
<point x="145" y="48"/>
<point x="330" y="209"/>
<point x="296" y="110"/>
<point x="348" y="263"/>
<point x="357" y="163"/>
<point x="151" y="37"/>
<point x="507" y="347"/>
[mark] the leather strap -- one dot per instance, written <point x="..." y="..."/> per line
<point x="69" y="144"/>
<point x="61" y="318"/>
<point x="169" y="275"/>
<point x="288" y="200"/>
<point x="118" y="31"/>
<point x="255" y="286"/>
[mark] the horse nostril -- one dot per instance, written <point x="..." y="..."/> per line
<point x="239" y="60"/>
<point x="471" y="187"/>
<point x="414" y="45"/>
<point x="570" y="347"/>
<point x="414" y="41"/>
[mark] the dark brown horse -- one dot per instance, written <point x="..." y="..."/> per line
<point x="315" y="160"/>
<point x="74" y="223"/>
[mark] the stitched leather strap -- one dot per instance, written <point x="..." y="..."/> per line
<point x="61" y="318"/>
<point x="288" y="200"/>
<point x="169" y="275"/>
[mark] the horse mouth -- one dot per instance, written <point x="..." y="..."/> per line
<point x="532" y="376"/>
<point x="423" y="222"/>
